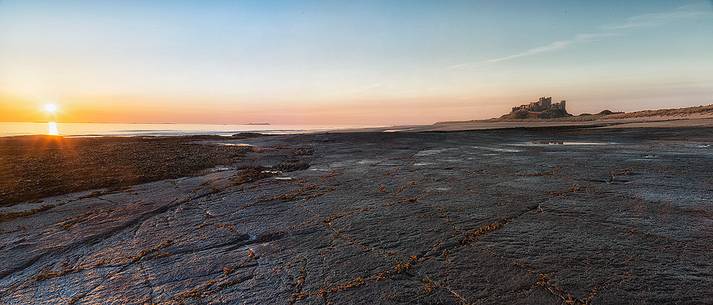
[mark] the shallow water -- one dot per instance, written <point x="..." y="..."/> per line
<point x="367" y="162"/>
<point x="496" y="149"/>
<point x="235" y="144"/>
<point x="115" y="129"/>
<point x="423" y="163"/>
<point x="564" y="143"/>
<point x="431" y="152"/>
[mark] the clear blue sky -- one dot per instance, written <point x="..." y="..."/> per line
<point x="376" y="62"/>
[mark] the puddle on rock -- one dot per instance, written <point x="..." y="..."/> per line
<point x="220" y="168"/>
<point x="646" y="158"/>
<point x="367" y="162"/>
<point x="235" y="144"/>
<point x="450" y="160"/>
<point x="431" y="152"/>
<point x="423" y="163"/>
<point x="697" y="145"/>
<point x="389" y="164"/>
<point x="497" y="149"/>
<point x="563" y="143"/>
<point x="318" y="169"/>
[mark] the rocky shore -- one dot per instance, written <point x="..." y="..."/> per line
<point x="34" y="167"/>
<point x="521" y="216"/>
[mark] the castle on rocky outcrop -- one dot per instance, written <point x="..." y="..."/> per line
<point x="543" y="104"/>
<point x="542" y="109"/>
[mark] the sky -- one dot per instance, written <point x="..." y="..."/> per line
<point x="347" y="62"/>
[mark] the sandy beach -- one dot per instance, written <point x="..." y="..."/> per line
<point x="512" y="216"/>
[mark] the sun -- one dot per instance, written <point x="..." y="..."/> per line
<point x="50" y="108"/>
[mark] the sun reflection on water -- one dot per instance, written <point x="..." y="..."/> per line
<point x="52" y="129"/>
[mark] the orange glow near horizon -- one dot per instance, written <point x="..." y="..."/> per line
<point x="372" y="110"/>
<point x="332" y="63"/>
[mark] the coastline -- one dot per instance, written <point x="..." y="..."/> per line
<point x="157" y="130"/>
<point x="36" y="150"/>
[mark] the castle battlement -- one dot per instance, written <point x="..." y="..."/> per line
<point x="543" y="104"/>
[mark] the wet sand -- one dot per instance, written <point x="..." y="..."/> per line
<point x="524" y="216"/>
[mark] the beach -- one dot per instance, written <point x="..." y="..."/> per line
<point x="568" y="215"/>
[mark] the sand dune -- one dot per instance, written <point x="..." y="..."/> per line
<point x="701" y="116"/>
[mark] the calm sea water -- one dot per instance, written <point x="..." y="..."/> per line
<point x="109" y="129"/>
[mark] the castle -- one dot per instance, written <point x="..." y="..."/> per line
<point x="543" y="104"/>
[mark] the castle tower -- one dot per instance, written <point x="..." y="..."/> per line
<point x="542" y="104"/>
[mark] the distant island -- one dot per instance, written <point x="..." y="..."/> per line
<point x="257" y="124"/>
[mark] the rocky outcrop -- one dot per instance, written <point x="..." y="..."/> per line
<point x="532" y="216"/>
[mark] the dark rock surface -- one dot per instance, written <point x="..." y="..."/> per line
<point x="33" y="167"/>
<point x="550" y="216"/>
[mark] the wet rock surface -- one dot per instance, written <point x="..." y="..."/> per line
<point x="33" y="167"/>
<point x="489" y="217"/>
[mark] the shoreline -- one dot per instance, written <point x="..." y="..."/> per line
<point x="678" y="117"/>
<point x="137" y="129"/>
<point x="32" y="147"/>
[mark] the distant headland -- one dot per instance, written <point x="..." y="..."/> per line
<point x="544" y="113"/>
<point x="542" y="109"/>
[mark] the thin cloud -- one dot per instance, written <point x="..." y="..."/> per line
<point x="613" y="30"/>
<point x="557" y="45"/>
<point x="657" y="19"/>
<point x="553" y="46"/>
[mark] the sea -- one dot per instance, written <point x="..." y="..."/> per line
<point x="120" y="129"/>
